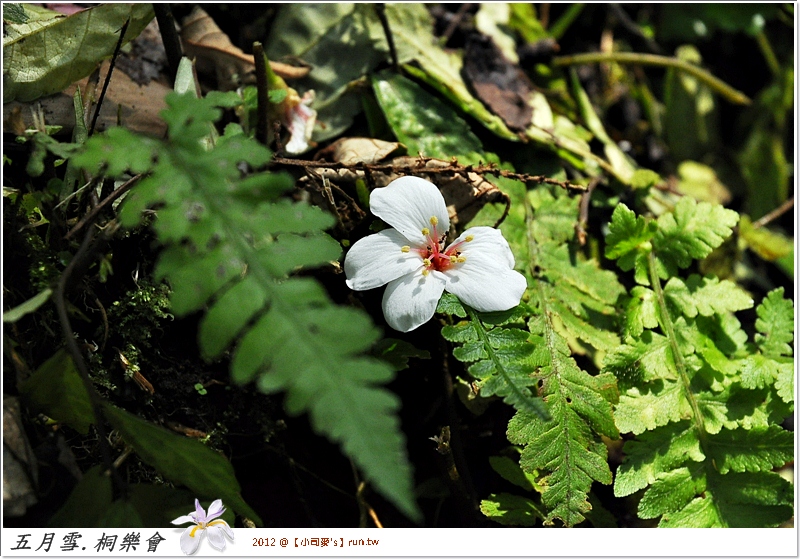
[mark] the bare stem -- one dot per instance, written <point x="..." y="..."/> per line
<point x="731" y="94"/>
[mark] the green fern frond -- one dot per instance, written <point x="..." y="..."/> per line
<point x="499" y="356"/>
<point x="231" y="249"/>
<point x="704" y="405"/>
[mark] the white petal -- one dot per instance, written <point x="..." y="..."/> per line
<point x="200" y="513"/>
<point x="215" y="509"/>
<point x="486" y="281"/>
<point x="407" y="204"/>
<point x="216" y="537"/>
<point x="410" y="301"/>
<point x="377" y="259"/>
<point x="190" y="544"/>
<point x="222" y="525"/>
<point x="183" y="519"/>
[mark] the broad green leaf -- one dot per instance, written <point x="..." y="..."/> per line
<point x="420" y="121"/>
<point x="28" y="306"/>
<point x="510" y="471"/>
<point x="511" y="510"/>
<point x="181" y="459"/>
<point x="87" y="505"/>
<point x="43" y="59"/>
<point x="701" y="183"/>
<point x="56" y="389"/>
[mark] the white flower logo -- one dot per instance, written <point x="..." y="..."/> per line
<point x="216" y="527"/>
<point x="478" y="267"/>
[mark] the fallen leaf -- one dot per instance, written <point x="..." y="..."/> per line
<point x="359" y="150"/>
<point x="501" y="85"/>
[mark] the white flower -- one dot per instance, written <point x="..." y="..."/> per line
<point x="478" y="267"/>
<point x="216" y="527"/>
<point x="299" y="118"/>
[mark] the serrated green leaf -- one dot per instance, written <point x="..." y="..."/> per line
<point x="643" y="409"/>
<point x="181" y="459"/>
<point x="459" y="333"/>
<point x="511" y="510"/>
<point x="670" y="492"/>
<point x="706" y="296"/>
<point x="775" y="324"/>
<point x="751" y="451"/>
<point x="224" y="245"/>
<point x="690" y="232"/>
<point x="743" y="500"/>
<point x="629" y="241"/>
<point x="449" y="304"/>
<point x="641" y="311"/>
<point x="470" y="351"/>
<point x="563" y="449"/>
<point x="56" y="389"/>
<point x="656" y="452"/>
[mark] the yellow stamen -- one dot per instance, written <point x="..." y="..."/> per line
<point x="454" y="259"/>
<point x="426" y="262"/>
<point x="468" y="238"/>
<point x="461" y="259"/>
<point x="434" y="220"/>
<point x="425" y="272"/>
<point x="426" y="231"/>
<point x="405" y="248"/>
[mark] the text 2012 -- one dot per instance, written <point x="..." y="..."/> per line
<point x="263" y="542"/>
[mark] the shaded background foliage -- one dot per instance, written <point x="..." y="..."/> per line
<point x="701" y="144"/>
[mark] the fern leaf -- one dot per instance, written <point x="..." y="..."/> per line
<point x="231" y="247"/>
<point x="573" y="299"/>
<point x="690" y="232"/>
<point x="746" y="500"/>
<point x="706" y="412"/>
<point x="511" y="510"/>
<point x="705" y="296"/>
<point x="751" y="451"/>
<point x="655" y="453"/>
<point x="498" y="356"/>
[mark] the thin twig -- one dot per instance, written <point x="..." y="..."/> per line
<point x="90" y="217"/>
<point x="774" y="214"/>
<point x="85" y="254"/>
<point x="108" y="75"/>
<point x="380" y="9"/>
<point x="583" y="219"/>
<point x="630" y="26"/>
<point x="419" y="167"/>
<point x="455" y="22"/>
<point x="169" y="36"/>
<point x="731" y="94"/>
<point x="262" y="92"/>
